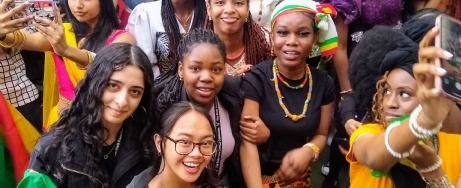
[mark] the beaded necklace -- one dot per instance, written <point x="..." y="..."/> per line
<point x="300" y="86"/>
<point x="293" y="117"/>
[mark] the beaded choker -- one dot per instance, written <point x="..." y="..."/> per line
<point x="293" y="117"/>
<point x="300" y="86"/>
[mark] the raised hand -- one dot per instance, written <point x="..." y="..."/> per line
<point x="7" y="23"/>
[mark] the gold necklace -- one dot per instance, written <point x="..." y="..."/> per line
<point x="184" y="24"/>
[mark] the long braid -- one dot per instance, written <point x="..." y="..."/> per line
<point x="257" y="48"/>
<point x="171" y="25"/>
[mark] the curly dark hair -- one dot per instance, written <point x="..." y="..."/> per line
<point x="80" y="126"/>
<point x="257" y="49"/>
<point x="208" y="177"/>
<point x="168" y="89"/>
<point x="170" y="23"/>
<point x="365" y="60"/>
<point x="108" y="21"/>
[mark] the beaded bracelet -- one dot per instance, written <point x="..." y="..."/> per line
<point x="441" y="182"/>
<point x="419" y="131"/>
<point x="315" y="149"/>
<point x="431" y="168"/>
<point x="392" y="125"/>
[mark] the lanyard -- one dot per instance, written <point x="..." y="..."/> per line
<point x="217" y="154"/>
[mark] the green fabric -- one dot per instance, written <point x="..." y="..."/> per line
<point x="6" y="167"/>
<point x="35" y="180"/>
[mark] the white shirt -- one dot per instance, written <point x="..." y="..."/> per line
<point x="146" y="25"/>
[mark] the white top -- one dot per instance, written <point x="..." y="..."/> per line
<point x="14" y="84"/>
<point x="228" y="142"/>
<point x="146" y="25"/>
<point x="268" y="7"/>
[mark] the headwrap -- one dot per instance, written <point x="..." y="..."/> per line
<point x="328" y="37"/>
<point x="406" y="54"/>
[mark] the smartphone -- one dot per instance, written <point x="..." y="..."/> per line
<point x="40" y="8"/>
<point x="449" y="39"/>
<point x="343" y="142"/>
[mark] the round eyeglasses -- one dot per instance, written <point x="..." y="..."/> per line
<point x="184" y="147"/>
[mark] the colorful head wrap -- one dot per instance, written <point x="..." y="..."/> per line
<point x="328" y="37"/>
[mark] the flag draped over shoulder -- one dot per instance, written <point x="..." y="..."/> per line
<point x="19" y="135"/>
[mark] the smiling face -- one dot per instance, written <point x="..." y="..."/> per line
<point x="293" y="37"/>
<point x="202" y="70"/>
<point x="86" y="11"/>
<point x="190" y="127"/>
<point x="122" y="95"/>
<point x="228" y="15"/>
<point x="399" y="94"/>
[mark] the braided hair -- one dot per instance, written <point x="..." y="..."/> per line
<point x="171" y="24"/>
<point x="168" y="87"/>
<point x="257" y="49"/>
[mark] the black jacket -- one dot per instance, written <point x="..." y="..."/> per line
<point x="231" y="97"/>
<point x="129" y="161"/>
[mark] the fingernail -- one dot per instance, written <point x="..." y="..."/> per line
<point x="441" y="70"/>
<point x="447" y="54"/>
<point x="435" y="91"/>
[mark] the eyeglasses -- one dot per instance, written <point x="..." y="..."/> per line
<point x="184" y="147"/>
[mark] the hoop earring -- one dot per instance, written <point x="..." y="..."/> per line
<point x="159" y="153"/>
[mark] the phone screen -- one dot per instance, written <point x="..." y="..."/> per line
<point x="450" y="35"/>
<point x="41" y="8"/>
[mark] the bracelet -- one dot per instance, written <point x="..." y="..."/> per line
<point x="419" y="131"/>
<point x="91" y="56"/>
<point x="389" y="128"/>
<point x="441" y="182"/>
<point x="345" y="91"/>
<point x="315" y="149"/>
<point x="431" y="168"/>
<point x="18" y="41"/>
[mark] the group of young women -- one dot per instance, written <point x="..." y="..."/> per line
<point x="214" y="107"/>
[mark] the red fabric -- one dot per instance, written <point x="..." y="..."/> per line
<point x="122" y="13"/>
<point x="13" y="140"/>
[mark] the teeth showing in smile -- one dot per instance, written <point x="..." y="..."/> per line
<point x="191" y="165"/>
<point x="204" y="89"/>
<point x="291" y="53"/>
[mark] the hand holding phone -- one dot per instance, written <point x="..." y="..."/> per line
<point x="449" y="39"/>
<point x="36" y="8"/>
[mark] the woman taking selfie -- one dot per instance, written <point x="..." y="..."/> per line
<point x="93" y="24"/>
<point x="405" y="143"/>
<point x="97" y="142"/>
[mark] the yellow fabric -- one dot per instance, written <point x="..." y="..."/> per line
<point x="50" y="84"/>
<point x="361" y="176"/>
<point x="450" y="152"/>
<point x="28" y="133"/>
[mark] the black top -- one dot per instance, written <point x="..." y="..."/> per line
<point x="129" y="161"/>
<point x="285" y="133"/>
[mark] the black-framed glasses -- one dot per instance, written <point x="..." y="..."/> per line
<point x="184" y="147"/>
